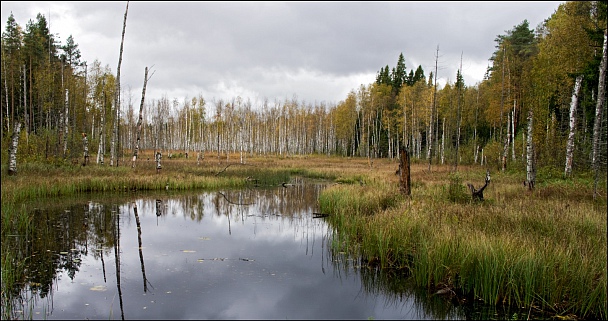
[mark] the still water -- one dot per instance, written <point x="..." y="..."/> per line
<point x="247" y="254"/>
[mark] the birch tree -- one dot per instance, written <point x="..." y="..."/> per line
<point x="113" y="155"/>
<point x="570" y="143"/>
<point x="101" y="149"/>
<point x="140" y="119"/>
<point x="430" y="140"/>
<point x="530" y="166"/>
<point x="12" y="157"/>
<point x="601" y="100"/>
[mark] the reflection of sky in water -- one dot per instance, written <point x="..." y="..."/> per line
<point x="287" y="273"/>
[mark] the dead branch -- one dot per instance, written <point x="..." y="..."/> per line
<point x="223" y="170"/>
<point x="477" y="194"/>
<point x="233" y="203"/>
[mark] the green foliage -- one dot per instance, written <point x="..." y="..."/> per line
<point x="456" y="191"/>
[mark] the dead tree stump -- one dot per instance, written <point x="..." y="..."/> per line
<point x="404" y="172"/>
<point x="477" y="194"/>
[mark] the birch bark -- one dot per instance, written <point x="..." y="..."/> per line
<point x="530" y="167"/>
<point x="601" y="100"/>
<point x="140" y="119"/>
<point x="570" y="143"/>
<point x="113" y="156"/>
<point x="12" y="158"/>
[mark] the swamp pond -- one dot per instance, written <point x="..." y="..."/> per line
<point x="231" y="254"/>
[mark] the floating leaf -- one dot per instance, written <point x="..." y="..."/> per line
<point x="63" y="253"/>
<point x="98" y="288"/>
<point x="188" y="251"/>
<point x="201" y="260"/>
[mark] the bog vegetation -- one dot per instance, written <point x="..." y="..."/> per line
<point x="537" y="119"/>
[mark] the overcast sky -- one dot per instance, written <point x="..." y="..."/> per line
<point x="315" y="51"/>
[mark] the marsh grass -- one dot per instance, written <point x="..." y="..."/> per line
<point x="544" y="249"/>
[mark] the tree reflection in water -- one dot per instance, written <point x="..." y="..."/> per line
<point x="207" y="254"/>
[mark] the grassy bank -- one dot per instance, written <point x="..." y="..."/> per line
<point x="545" y="249"/>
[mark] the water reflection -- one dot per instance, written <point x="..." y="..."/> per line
<point x="246" y="254"/>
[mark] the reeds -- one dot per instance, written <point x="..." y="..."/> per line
<point x="545" y="249"/>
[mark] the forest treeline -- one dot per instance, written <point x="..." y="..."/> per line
<point x="543" y="89"/>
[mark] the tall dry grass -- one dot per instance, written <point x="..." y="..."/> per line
<point x="544" y="249"/>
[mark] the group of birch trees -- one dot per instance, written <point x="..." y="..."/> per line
<point x="541" y="101"/>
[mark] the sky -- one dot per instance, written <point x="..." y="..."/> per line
<point x="315" y="52"/>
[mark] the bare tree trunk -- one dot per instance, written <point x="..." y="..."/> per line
<point x="140" y="119"/>
<point x="25" y="116"/>
<point x="505" y="148"/>
<point x="443" y="142"/>
<point x="502" y="96"/>
<point x="530" y="166"/>
<point x="430" y="140"/>
<point x="12" y="157"/>
<point x="66" y="125"/>
<point x="570" y="144"/>
<point x="513" y="132"/>
<point x="102" y="124"/>
<point x="8" y="118"/>
<point x="113" y="155"/>
<point x="601" y="93"/>
<point x="85" y="147"/>
<point x="404" y="170"/>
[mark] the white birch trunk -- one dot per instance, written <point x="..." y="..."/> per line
<point x="443" y="142"/>
<point x="65" y="125"/>
<point x="12" y="157"/>
<point x="85" y="148"/>
<point x="513" y="132"/>
<point x="113" y="155"/>
<point x="530" y="166"/>
<point x="570" y="143"/>
<point x="601" y="93"/>
<point x="102" y="124"/>
<point x="505" y="148"/>
<point x="140" y="119"/>
<point x="8" y="119"/>
<point x="25" y="116"/>
<point x="430" y="136"/>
